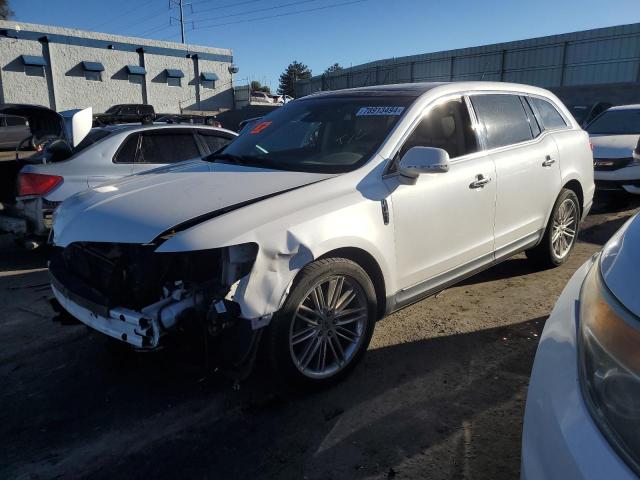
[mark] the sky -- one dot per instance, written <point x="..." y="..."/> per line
<point x="266" y="35"/>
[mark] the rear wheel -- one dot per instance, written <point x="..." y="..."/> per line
<point x="325" y="325"/>
<point x="560" y="235"/>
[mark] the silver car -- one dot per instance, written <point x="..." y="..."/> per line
<point x="65" y="167"/>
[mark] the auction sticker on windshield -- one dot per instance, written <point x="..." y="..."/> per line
<point x="364" y="111"/>
<point x="260" y="127"/>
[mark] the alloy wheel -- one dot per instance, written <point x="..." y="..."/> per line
<point x="328" y="327"/>
<point x="565" y="223"/>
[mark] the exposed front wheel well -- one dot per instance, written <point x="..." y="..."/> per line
<point x="370" y="265"/>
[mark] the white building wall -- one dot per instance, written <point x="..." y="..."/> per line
<point x="65" y="86"/>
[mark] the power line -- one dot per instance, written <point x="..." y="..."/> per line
<point x="285" y="14"/>
<point x="126" y="12"/>
<point x="228" y="5"/>
<point x="246" y="12"/>
<point x="136" y="22"/>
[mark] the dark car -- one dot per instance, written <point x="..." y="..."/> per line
<point x="13" y="130"/>
<point x="125" y="113"/>
<point x="585" y="113"/>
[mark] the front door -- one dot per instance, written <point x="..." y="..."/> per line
<point x="444" y="223"/>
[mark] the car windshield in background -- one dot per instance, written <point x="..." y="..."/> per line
<point x="616" y="122"/>
<point x="325" y="135"/>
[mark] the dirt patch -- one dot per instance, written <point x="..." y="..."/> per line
<point x="440" y="394"/>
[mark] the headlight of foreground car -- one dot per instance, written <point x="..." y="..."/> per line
<point x="610" y="366"/>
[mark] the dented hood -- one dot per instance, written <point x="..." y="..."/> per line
<point x="139" y="208"/>
<point x="70" y="125"/>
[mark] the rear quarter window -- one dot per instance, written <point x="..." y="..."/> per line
<point x="548" y="114"/>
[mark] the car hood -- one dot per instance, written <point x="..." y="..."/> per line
<point x="71" y="125"/>
<point x="139" y="208"/>
<point x="620" y="263"/>
<point x="613" y="146"/>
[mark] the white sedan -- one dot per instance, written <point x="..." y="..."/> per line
<point x="583" y="408"/>
<point x="614" y="134"/>
<point x="77" y="157"/>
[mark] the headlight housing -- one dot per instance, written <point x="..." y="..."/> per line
<point x="609" y="360"/>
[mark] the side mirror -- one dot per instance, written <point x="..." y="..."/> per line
<point x="419" y="160"/>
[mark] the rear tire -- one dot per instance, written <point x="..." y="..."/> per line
<point x="324" y="326"/>
<point x="560" y="235"/>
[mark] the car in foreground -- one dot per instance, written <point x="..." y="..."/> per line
<point x="326" y="215"/>
<point x="102" y="154"/>
<point x="582" y="414"/>
<point x="614" y="135"/>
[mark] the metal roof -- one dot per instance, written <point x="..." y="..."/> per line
<point x="174" y="73"/>
<point x="33" y="60"/>
<point x="136" y="70"/>
<point x="93" y="66"/>
<point x="209" y="76"/>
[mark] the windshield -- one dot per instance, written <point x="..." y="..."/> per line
<point x="616" y="122"/>
<point x="325" y="135"/>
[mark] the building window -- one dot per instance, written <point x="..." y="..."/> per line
<point x="208" y="80"/>
<point x="93" y="71"/>
<point x="174" y="81"/>
<point x="210" y="84"/>
<point x="93" y="76"/>
<point x="137" y="79"/>
<point x="34" y="70"/>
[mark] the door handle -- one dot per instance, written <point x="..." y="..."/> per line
<point x="480" y="181"/>
<point x="548" y="161"/>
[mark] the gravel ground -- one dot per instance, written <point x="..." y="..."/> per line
<point x="439" y="395"/>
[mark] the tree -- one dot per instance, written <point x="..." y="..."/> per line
<point x="294" y="72"/>
<point x="5" y="11"/>
<point x="256" y="86"/>
<point x="336" y="67"/>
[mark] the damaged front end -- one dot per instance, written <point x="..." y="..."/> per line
<point x="137" y="295"/>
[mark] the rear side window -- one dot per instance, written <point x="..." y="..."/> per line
<point x="503" y="118"/>
<point x="549" y="116"/>
<point x="214" y="142"/>
<point x="448" y="127"/>
<point x="161" y="148"/>
<point x="127" y="151"/>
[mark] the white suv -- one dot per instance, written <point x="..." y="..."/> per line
<point x="324" y="217"/>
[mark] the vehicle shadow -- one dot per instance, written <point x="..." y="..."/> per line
<point x="443" y="407"/>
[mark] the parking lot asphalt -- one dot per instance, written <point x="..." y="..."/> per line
<point x="439" y="395"/>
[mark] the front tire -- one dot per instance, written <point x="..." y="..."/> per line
<point x="560" y="235"/>
<point x="325" y="324"/>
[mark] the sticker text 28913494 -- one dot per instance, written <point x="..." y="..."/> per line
<point x="366" y="111"/>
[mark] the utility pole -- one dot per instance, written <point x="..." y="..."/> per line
<point x="180" y="4"/>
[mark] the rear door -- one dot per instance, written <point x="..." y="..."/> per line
<point x="165" y="146"/>
<point x="527" y="168"/>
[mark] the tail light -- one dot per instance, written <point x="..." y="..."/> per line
<point x="37" y="184"/>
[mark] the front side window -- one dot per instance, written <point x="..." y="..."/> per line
<point x="549" y="116"/>
<point x="447" y="126"/>
<point x="15" y="121"/>
<point x="34" y="70"/>
<point x="161" y="148"/>
<point x="503" y="119"/>
<point x="326" y="135"/>
<point x="174" y="81"/>
<point x="93" y="76"/>
<point x="616" y="122"/>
